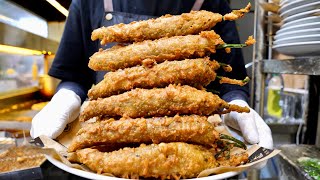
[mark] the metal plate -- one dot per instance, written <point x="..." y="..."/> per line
<point x="32" y="173"/>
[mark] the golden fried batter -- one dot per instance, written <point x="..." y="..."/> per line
<point x="235" y="160"/>
<point x="225" y="80"/>
<point x="167" y="101"/>
<point x="22" y="157"/>
<point x="192" y="129"/>
<point x="250" y="41"/>
<point x="165" y="160"/>
<point x="194" y="72"/>
<point x="164" y="26"/>
<point x="236" y="14"/>
<point x="153" y="161"/>
<point x="174" y="48"/>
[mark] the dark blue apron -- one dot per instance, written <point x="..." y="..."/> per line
<point x="111" y="18"/>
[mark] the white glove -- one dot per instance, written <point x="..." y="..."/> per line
<point x="63" y="108"/>
<point x="252" y="127"/>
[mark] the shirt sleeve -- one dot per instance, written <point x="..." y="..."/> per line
<point x="228" y="32"/>
<point x="71" y="62"/>
<point x="75" y="87"/>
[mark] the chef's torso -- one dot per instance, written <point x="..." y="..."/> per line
<point x="112" y="17"/>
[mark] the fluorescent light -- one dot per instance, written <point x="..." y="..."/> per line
<point x="6" y="19"/>
<point x="16" y="16"/>
<point x="58" y="6"/>
<point x="18" y="50"/>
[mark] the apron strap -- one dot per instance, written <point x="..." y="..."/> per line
<point x="197" y="5"/>
<point x="108" y="5"/>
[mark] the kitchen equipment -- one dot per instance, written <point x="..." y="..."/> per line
<point x="283" y="105"/>
<point x="287" y="103"/>
<point x="299" y="34"/>
<point x="297" y="39"/>
<point x="303" y="32"/>
<point x="287" y="5"/>
<point x="21" y="162"/>
<point x="299" y="9"/>
<point x="299" y="49"/>
<point x="289" y="167"/>
<point x="302" y="15"/>
<point x="32" y="173"/>
<point x="47" y="85"/>
<point x="273" y="108"/>
<point x="302" y="21"/>
<point x="272" y="7"/>
<point x="300" y="26"/>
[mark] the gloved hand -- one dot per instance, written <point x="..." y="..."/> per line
<point x="63" y="108"/>
<point x="250" y="126"/>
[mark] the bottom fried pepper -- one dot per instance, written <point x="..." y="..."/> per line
<point x="164" y="160"/>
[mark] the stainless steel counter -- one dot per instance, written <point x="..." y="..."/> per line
<point x="302" y="65"/>
<point x="288" y="161"/>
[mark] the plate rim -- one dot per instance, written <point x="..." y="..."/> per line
<point x="296" y="44"/>
<point x="299" y="7"/>
<point x="282" y="2"/>
<point x="297" y="37"/>
<point x="302" y="19"/>
<point x="298" y="31"/>
<point x="300" y="25"/>
<point x="91" y="175"/>
<point x="289" y="4"/>
<point x="300" y="14"/>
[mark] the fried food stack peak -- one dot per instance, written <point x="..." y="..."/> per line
<point x="152" y="109"/>
<point x="164" y="26"/>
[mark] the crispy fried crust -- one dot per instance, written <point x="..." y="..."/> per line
<point x="165" y="160"/>
<point x="194" y="72"/>
<point x="165" y="26"/>
<point x="250" y="41"/>
<point x="225" y="80"/>
<point x="192" y="129"/>
<point x="168" y="101"/>
<point x="153" y="161"/>
<point x="174" y="48"/>
<point x="234" y="160"/>
<point x="237" y="14"/>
